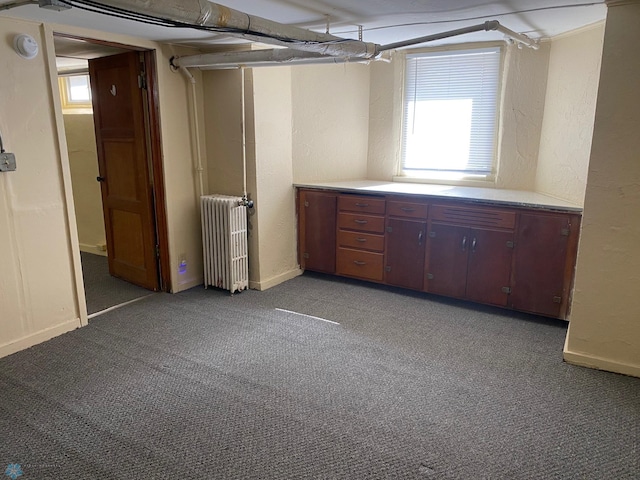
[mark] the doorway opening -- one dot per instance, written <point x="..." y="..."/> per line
<point x="111" y="123"/>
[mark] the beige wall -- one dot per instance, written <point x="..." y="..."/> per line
<point x="87" y="199"/>
<point x="330" y="122"/>
<point x="605" y="321"/>
<point x="570" y="105"/>
<point x="523" y="86"/>
<point x="41" y="276"/>
<point x="223" y="132"/>
<point x="38" y="296"/>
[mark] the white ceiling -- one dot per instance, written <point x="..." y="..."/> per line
<point x="384" y="21"/>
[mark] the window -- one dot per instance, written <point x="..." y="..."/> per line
<point x="75" y="92"/>
<point x="450" y="114"/>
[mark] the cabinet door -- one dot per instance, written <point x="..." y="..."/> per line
<point x="489" y="270"/>
<point x="541" y="280"/>
<point x="317" y="231"/>
<point x="404" y="262"/>
<point x="446" y="272"/>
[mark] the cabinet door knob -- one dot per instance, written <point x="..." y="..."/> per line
<point x="420" y="234"/>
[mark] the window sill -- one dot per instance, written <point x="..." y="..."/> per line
<point x="486" y="182"/>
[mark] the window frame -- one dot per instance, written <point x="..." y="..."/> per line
<point x="446" y="177"/>
<point x="68" y="105"/>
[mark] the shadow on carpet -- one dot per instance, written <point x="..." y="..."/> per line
<point x="101" y="289"/>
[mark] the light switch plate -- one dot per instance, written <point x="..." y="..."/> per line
<point x="7" y="162"/>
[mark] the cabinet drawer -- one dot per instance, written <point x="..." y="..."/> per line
<point x="351" y="203"/>
<point x="356" y="263"/>
<point x="407" y="209"/>
<point x="365" y="241"/>
<point x="472" y="216"/>
<point x="361" y="223"/>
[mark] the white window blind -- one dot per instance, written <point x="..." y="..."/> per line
<point x="451" y="100"/>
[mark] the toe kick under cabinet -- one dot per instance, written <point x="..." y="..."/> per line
<point x="521" y="257"/>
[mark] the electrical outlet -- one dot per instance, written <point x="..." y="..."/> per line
<point x="7" y="162"/>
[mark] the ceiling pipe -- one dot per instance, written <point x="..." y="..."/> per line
<point x="486" y="26"/>
<point x="206" y="14"/>
<point x="256" y="58"/>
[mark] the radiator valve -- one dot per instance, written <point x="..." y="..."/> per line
<point x="245" y="202"/>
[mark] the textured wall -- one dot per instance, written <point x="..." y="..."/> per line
<point x="222" y="132"/>
<point x="38" y="298"/>
<point x="274" y="216"/>
<point x="330" y="122"/>
<point x="605" y="321"/>
<point x="524" y="87"/>
<point x="570" y="105"/>
<point x="87" y="199"/>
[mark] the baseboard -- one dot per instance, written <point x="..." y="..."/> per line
<point x="38" y="337"/>
<point x="84" y="247"/>
<point x="277" y="280"/>
<point x="598" y="363"/>
<point x="187" y="285"/>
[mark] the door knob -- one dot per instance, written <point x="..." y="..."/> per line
<point x="100" y="179"/>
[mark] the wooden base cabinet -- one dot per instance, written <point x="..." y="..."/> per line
<point x="317" y="230"/>
<point x="517" y="257"/>
<point x="545" y="253"/>
<point x="470" y="253"/>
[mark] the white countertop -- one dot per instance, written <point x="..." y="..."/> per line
<point x="517" y="198"/>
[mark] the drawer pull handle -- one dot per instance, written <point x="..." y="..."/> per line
<point x="464" y="243"/>
<point x="361" y="240"/>
<point x="363" y="205"/>
<point x="473" y="245"/>
<point x="359" y="262"/>
<point x="360" y="222"/>
<point x="408" y="209"/>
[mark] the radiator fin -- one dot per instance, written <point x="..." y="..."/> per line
<point x="224" y="242"/>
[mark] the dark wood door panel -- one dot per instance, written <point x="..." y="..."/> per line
<point x="317" y="212"/>
<point x="489" y="270"/>
<point x="123" y="161"/>
<point x="446" y="271"/>
<point x="539" y="267"/>
<point x="404" y="264"/>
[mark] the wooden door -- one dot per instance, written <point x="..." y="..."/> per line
<point x="127" y="197"/>
<point x="539" y="267"/>
<point x="404" y="261"/>
<point x="489" y="270"/>
<point x="317" y="231"/>
<point x="446" y="272"/>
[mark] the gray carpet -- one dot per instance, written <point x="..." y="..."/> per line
<point x="203" y="385"/>
<point x="101" y="289"/>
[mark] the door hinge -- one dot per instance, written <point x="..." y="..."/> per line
<point x="390" y="229"/>
<point x="142" y="81"/>
<point x="506" y="290"/>
<point x="429" y="276"/>
<point x="432" y="234"/>
<point x="510" y="244"/>
<point x="565" y="231"/>
<point x="387" y="268"/>
<point x="305" y="255"/>
<point x="157" y="251"/>
<point x="557" y="299"/>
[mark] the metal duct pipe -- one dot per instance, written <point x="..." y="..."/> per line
<point x="206" y="14"/>
<point x="257" y="58"/>
<point x="279" y="55"/>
